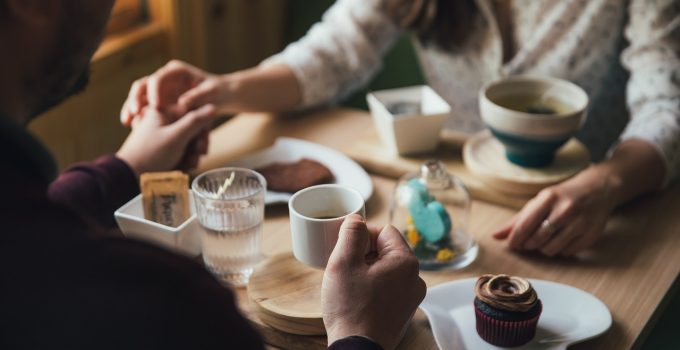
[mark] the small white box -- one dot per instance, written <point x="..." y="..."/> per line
<point x="412" y="131"/>
<point x="185" y="238"/>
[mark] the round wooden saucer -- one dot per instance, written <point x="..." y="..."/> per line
<point x="484" y="156"/>
<point x="286" y="295"/>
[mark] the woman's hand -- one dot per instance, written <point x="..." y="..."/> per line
<point x="167" y="91"/>
<point x="179" y="87"/>
<point x="562" y="219"/>
<point x="569" y="217"/>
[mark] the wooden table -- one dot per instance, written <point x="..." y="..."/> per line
<point x="632" y="269"/>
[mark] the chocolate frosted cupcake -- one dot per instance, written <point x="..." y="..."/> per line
<point x="507" y="310"/>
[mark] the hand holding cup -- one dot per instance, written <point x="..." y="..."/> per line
<point x="371" y="286"/>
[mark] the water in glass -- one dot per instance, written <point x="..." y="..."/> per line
<point x="231" y="220"/>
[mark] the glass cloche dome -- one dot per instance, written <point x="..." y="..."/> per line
<point x="431" y="209"/>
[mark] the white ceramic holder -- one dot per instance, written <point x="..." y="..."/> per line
<point x="409" y="133"/>
<point x="184" y="239"/>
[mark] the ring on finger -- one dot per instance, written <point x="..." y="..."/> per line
<point x="548" y="227"/>
<point x="545" y="233"/>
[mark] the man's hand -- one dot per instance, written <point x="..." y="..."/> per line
<point x="159" y="142"/>
<point x="371" y="286"/>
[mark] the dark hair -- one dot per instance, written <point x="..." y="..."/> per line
<point x="444" y="23"/>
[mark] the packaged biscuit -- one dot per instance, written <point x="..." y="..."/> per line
<point x="165" y="197"/>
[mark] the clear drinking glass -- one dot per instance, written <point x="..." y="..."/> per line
<point x="230" y="208"/>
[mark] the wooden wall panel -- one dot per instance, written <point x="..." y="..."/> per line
<point x="226" y="35"/>
<point x="240" y="33"/>
<point x="223" y="35"/>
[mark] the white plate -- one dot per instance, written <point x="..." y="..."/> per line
<point x="569" y="316"/>
<point x="346" y="171"/>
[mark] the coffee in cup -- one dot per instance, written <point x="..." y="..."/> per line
<point x="316" y="214"/>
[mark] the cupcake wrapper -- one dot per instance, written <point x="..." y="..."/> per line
<point x="506" y="333"/>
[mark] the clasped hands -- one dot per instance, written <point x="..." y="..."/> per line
<point x="170" y="130"/>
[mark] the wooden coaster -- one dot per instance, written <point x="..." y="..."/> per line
<point x="286" y="295"/>
<point x="484" y="156"/>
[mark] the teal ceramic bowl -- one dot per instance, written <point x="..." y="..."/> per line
<point x="532" y="116"/>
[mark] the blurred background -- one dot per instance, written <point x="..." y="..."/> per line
<point x="220" y="36"/>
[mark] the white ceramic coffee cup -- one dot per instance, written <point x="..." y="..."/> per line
<point x="316" y="214"/>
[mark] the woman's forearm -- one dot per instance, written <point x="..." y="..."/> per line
<point x="272" y="88"/>
<point x="635" y="168"/>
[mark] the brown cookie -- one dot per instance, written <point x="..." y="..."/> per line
<point x="292" y="177"/>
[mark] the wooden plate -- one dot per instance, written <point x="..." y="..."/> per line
<point x="484" y="156"/>
<point x="286" y="295"/>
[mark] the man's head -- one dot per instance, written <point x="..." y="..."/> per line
<point x="47" y="45"/>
